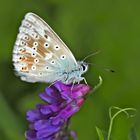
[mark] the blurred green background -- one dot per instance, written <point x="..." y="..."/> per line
<point x="86" y="25"/>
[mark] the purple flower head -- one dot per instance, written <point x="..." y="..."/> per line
<point x="50" y="121"/>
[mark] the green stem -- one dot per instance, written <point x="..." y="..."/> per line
<point x="115" y="115"/>
<point x="110" y="129"/>
<point x="99" y="84"/>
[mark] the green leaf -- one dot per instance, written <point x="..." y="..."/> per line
<point x="100" y="134"/>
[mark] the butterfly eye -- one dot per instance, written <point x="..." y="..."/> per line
<point x="46" y="45"/>
<point x="84" y="67"/>
<point x="63" y="57"/>
<point x="56" y="47"/>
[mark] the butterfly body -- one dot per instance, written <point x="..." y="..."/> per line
<point x="39" y="55"/>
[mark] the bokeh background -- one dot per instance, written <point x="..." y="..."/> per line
<point x="86" y="26"/>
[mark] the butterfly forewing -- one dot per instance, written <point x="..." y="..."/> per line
<point x="39" y="55"/>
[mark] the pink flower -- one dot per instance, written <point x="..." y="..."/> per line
<point x="50" y="121"/>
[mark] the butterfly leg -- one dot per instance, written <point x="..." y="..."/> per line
<point x="72" y="86"/>
<point x="85" y="80"/>
<point x="82" y="79"/>
<point x="53" y="83"/>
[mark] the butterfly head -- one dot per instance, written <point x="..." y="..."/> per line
<point x="83" y="66"/>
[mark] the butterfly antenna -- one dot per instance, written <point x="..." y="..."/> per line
<point x="110" y="70"/>
<point x="91" y="55"/>
<point x="106" y="69"/>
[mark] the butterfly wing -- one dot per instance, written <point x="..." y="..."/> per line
<point x="39" y="55"/>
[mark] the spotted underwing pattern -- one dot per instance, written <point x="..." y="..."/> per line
<point x="39" y="55"/>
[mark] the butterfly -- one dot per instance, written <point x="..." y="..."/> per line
<point x="39" y="55"/>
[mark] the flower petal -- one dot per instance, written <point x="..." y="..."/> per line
<point x="48" y="121"/>
<point x="30" y="135"/>
<point x="32" y="115"/>
<point x="62" y="87"/>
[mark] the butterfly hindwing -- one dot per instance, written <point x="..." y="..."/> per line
<point x="39" y="54"/>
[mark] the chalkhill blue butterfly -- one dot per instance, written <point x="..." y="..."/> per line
<point x="39" y="55"/>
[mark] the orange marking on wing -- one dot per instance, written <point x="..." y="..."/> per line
<point x="22" y="58"/>
<point x="41" y="40"/>
<point x="29" y="59"/>
<point x="42" y="51"/>
<point x="29" y="66"/>
<point x="24" y="69"/>
<point x="40" y="48"/>
<point x="30" y="42"/>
